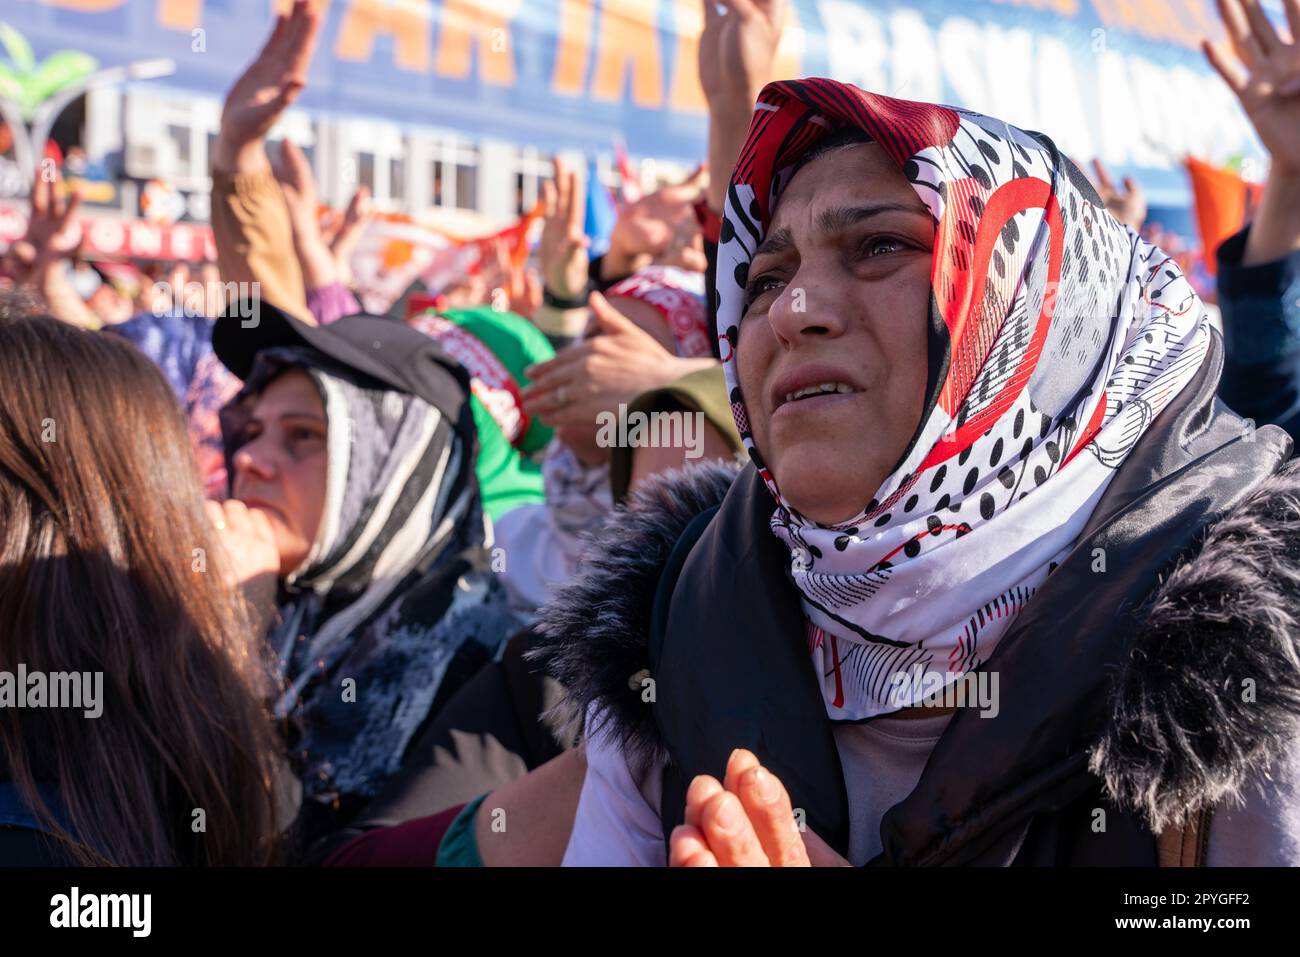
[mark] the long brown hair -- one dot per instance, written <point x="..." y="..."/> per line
<point x="107" y="564"/>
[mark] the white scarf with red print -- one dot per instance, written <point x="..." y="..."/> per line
<point x="678" y="296"/>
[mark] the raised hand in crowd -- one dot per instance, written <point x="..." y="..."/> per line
<point x="659" y="227"/>
<point x="562" y="248"/>
<point x="39" y="260"/>
<point x="737" y="53"/>
<point x="615" y="365"/>
<point x="745" y="821"/>
<point x="52" y="234"/>
<point x="343" y="230"/>
<point x="1265" y="75"/>
<point x="1126" y="203"/>
<point x="265" y="90"/>
<point x="251" y="226"/>
<point x="507" y="286"/>
<point x="562" y="256"/>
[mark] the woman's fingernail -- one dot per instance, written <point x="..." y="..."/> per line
<point x="766" y="786"/>
<point x="729" y="814"/>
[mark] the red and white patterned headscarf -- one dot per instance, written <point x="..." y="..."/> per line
<point x="1065" y="334"/>
<point x="678" y="296"/>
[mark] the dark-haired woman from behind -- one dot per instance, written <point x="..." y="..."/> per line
<point x="108" y="570"/>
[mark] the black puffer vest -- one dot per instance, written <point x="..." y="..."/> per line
<point x="1123" y="691"/>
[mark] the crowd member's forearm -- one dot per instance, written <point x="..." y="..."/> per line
<point x="254" y="238"/>
<point x="540" y="808"/>
<point x="1275" y="230"/>
<point x="562" y="327"/>
<point x="239" y="158"/>
<point x="728" y="128"/>
<point x="319" y="268"/>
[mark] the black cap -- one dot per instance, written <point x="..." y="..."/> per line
<point x="390" y="353"/>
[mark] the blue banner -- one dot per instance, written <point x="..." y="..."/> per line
<point x="1119" y="79"/>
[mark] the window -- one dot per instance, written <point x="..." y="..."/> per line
<point x="435" y="186"/>
<point x="180" y="135"/>
<point x="366" y="170"/>
<point x="397" y="180"/>
<point x="531" y="170"/>
<point x="453" y="173"/>
<point x="466" y="186"/>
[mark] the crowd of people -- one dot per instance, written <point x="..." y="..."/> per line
<point x="377" y="589"/>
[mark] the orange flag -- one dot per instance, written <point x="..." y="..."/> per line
<point x="1224" y="203"/>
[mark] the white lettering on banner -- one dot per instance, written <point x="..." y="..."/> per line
<point x="107" y="235"/>
<point x="855" y="45"/>
<point x="915" y="73"/>
<point x="1121" y="133"/>
<point x="1009" y="59"/>
<point x="1189" y="136"/>
<point x="960" y="45"/>
<point x="1125" y="108"/>
<point x="1161" y="131"/>
<point x="146" y="240"/>
<point x="182" y="243"/>
<point x="1058" y="84"/>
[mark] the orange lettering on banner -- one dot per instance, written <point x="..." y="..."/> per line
<point x="571" y="53"/>
<point x="1183" y="22"/>
<point x="180" y="14"/>
<point x="629" y="38"/>
<point x="1202" y="22"/>
<point x="1183" y="13"/>
<point x="465" y="23"/>
<point x="285" y="7"/>
<point x="1127" y="14"/>
<point x="86" y="6"/>
<point x="1164" y="23"/>
<point x="406" y="21"/>
<point x="1064" y="7"/>
<point x="1150" y="18"/>
<point x="687" y="96"/>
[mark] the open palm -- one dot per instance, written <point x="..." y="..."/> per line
<point x="1265" y="75"/>
<point x="737" y="49"/>
<point x="273" y="81"/>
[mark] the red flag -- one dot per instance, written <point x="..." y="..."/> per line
<point x="630" y="187"/>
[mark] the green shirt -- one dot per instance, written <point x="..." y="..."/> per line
<point x="508" y="476"/>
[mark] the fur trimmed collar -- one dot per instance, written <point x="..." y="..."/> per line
<point x="595" y="631"/>
<point x="1210" y="692"/>
<point x="1208" y="696"/>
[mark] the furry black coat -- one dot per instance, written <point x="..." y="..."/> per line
<point x="1153" y="690"/>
